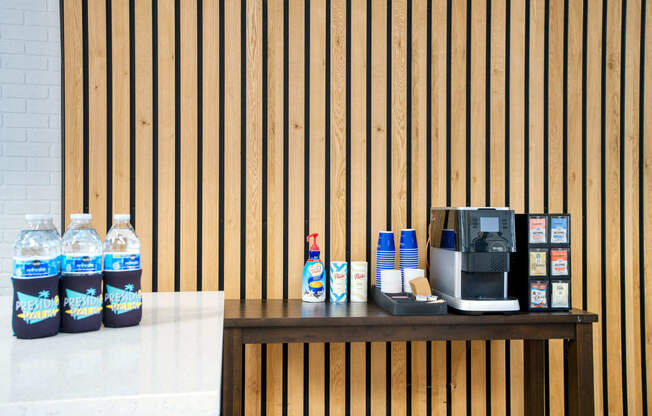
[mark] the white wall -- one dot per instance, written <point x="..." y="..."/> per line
<point x="30" y="119"/>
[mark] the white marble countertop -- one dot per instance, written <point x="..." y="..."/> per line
<point x="170" y="364"/>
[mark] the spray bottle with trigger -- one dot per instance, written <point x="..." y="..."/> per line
<point x="314" y="277"/>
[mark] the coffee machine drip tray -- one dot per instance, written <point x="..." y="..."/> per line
<point x="479" y="305"/>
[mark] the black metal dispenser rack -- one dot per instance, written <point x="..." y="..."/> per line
<point x="540" y="272"/>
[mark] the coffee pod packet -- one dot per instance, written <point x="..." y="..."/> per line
<point x="538" y="294"/>
<point x="538" y="262"/>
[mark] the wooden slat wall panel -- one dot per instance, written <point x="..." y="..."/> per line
<point x="210" y="145"/>
<point x="253" y="191"/>
<point x="417" y="165"/>
<point x="276" y="131"/>
<point x="646" y="189"/>
<point x="188" y="147"/>
<point x="398" y="175"/>
<point x="97" y="127"/>
<point x="439" y="111"/>
<point x="555" y="172"/>
<point x="338" y="184"/>
<point x="296" y="190"/>
<point x="525" y="76"/>
<point x="121" y="107"/>
<point x="166" y="146"/>
<point x="74" y="108"/>
<point x="378" y="179"/>
<point x="144" y="135"/>
<point x="516" y="175"/>
<point x="359" y="183"/>
<point x="611" y="214"/>
<point x="457" y="180"/>
<point x="498" y="17"/>
<point x="478" y="151"/>
<point x="317" y="171"/>
<point x="593" y="190"/>
<point x="232" y="148"/>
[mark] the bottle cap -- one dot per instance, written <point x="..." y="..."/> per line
<point x="38" y="217"/>
<point x="121" y="217"/>
<point x="313" y="246"/>
<point x="81" y="217"/>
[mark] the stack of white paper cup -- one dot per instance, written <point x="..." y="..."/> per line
<point x="390" y="281"/>
<point x="359" y="281"/>
<point x="409" y="274"/>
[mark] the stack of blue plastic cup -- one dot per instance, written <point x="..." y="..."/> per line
<point x="386" y="254"/>
<point x="409" y="250"/>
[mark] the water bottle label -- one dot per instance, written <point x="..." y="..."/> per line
<point x="120" y="262"/>
<point x="81" y="264"/>
<point x="36" y="267"/>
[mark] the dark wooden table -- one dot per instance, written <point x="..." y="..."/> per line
<point x="277" y="321"/>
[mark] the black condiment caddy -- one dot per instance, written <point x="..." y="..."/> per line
<point x="540" y="270"/>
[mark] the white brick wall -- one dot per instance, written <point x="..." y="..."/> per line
<point x="30" y="106"/>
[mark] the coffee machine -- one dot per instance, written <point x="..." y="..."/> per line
<point x="469" y="258"/>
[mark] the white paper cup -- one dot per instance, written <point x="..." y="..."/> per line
<point x="359" y="281"/>
<point x="409" y="274"/>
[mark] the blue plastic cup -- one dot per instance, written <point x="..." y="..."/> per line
<point x="408" y="239"/>
<point x="447" y="239"/>
<point x="386" y="241"/>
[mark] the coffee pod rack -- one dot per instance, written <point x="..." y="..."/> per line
<point x="540" y="270"/>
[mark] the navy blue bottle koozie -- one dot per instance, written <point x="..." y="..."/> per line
<point x="81" y="303"/>
<point x="123" y="302"/>
<point x="35" y="307"/>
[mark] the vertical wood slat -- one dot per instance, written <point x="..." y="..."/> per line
<point x="122" y="98"/>
<point x="275" y="193"/>
<point x="378" y="183"/>
<point x="72" y="28"/>
<point x="647" y="202"/>
<point x="337" y="237"/>
<point x="317" y="211"/>
<point x="458" y="150"/>
<point x="498" y="16"/>
<point x="188" y="156"/>
<point x="210" y="144"/>
<point x="593" y="186"/>
<point x="232" y="126"/>
<point x="296" y="215"/>
<point x="398" y="176"/>
<point x="612" y="208"/>
<point x="439" y="110"/>
<point x="555" y="196"/>
<point x="359" y="183"/>
<point x="253" y="206"/>
<point x="144" y="136"/>
<point x="478" y="56"/>
<point x="418" y="168"/>
<point x="121" y="106"/>
<point x="97" y="127"/>
<point x="630" y="195"/>
<point x="516" y="173"/>
<point x="166" y="146"/>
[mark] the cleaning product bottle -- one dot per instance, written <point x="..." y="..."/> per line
<point x="314" y="277"/>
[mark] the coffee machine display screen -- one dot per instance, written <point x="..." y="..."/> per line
<point x="489" y="224"/>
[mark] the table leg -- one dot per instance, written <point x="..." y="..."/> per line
<point x="534" y="377"/>
<point x="232" y="372"/>
<point x="580" y="371"/>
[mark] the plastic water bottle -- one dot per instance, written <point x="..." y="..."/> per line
<point x="121" y="246"/>
<point x="81" y="247"/>
<point x="37" y="249"/>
